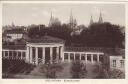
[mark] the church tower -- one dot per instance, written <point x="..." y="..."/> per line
<point x="51" y="20"/>
<point x="72" y="21"/>
<point x="91" y="20"/>
<point x="100" y="18"/>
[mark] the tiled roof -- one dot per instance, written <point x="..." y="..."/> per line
<point x="82" y="49"/>
<point x="14" y="47"/>
<point x="45" y="39"/>
<point x="109" y="51"/>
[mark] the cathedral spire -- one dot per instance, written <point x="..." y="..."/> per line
<point x="91" y="20"/>
<point x="100" y="18"/>
<point x="51" y="20"/>
<point x="71" y="17"/>
<point x="72" y="21"/>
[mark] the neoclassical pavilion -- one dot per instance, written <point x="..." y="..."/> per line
<point x="45" y="50"/>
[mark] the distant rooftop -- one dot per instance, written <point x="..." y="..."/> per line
<point x="14" y="31"/>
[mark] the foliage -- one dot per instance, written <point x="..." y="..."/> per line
<point x="50" y="70"/>
<point x="78" y="69"/>
<point x="96" y="35"/>
<point x="103" y="35"/>
<point x="115" y="73"/>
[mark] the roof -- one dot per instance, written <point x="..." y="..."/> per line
<point x="14" y="47"/>
<point x="14" y="31"/>
<point x="45" y="39"/>
<point x="82" y="49"/>
<point x="108" y="51"/>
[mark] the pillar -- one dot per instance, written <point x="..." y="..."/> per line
<point x="27" y="54"/>
<point x="97" y="57"/>
<point x="3" y="54"/>
<point x="17" y="55"/>
<point x="92" y="58"/>
<point x="21" y="55"/>
<point x="8" y="54"/>
<point x="62" y="53"/>
<point x="36" y="55"/>
<point x="80" y="56"/>
<point x="85" y="57"/>
<point x="57" y="53"/>
<point x="69" y="57"/>
<point x="43" y="54"/>
<point x="31" y="61"/>
<point x="51" y="54"/>
<point x="12" y="54"/>
<point x="74" y="56"/>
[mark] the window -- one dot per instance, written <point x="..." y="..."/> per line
<point x="82" y="56"/>
<point x="114" y="63"/>
<point x="101" y="58"/>
<point x="6" y="53"/>
<point x="65" y="55"/>
<point x="89" y="57"/>
<point x="23" y="54"/>
<point x="122" y="63"/>
<point x="19" y="54"/>
<point x="95" y="57"/>
<point x="71" y="56"/>
<point x="77" y="56"/>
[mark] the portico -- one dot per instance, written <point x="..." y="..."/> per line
<point x="47" y="50"/>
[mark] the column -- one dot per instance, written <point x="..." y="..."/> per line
<point x="80" y="57"/>
<point x="12" y="54"/>
<point x="98" y="57"/>
<point x="62" y="53"/>
<point x="57" y="53"/>
<point x="27" y="54"/>
<point x="30" y="55"/>
<point x="8" y="54"/>
<point x="3" y="54"/>
<point x="21" y="55"/>
<point x="51" y="54"/>
<point x="74" y="56"/>
<point x="69" y="57"/>
<point x="17" y="55"/>
<point x="92" y="58"/>
<point x="36" y="55"/>
<point x="85" y="57"/>
<point x="43" y="54"/>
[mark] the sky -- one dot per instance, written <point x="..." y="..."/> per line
<point x="39" y="13"/>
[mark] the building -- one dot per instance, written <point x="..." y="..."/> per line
<point x="50" y="49"/>
<point x="54" y="21"/>
<point x="117" y="62"/>
<point x="14" y="34"/>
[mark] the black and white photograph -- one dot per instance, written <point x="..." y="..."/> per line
<point x="63" y="41"/>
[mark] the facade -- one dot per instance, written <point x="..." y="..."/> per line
<point x="14" y="34"/>
<point x="117" y="62"/>
<point x="48" y="50"/>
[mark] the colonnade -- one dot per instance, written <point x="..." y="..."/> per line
<point x="83" y="56"/>
<point x="33" y="56"/>
<point x="14" y="54"/>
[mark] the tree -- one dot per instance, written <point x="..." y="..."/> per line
<point x="50" y="70"/>
<point x="103" y="35"/>
<point x="115" y="73"/>
<point x="78" y="69"/>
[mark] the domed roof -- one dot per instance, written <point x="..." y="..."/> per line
<point x="45" y="39"/>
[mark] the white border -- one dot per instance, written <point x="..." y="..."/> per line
<point x="82" y="81"/>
